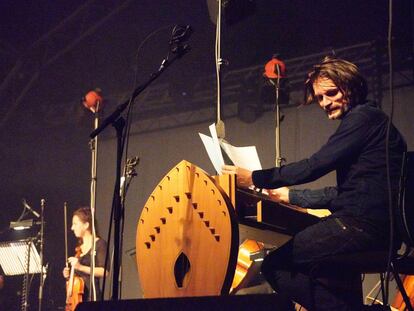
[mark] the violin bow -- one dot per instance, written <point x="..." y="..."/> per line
<point x="65" y="208"/>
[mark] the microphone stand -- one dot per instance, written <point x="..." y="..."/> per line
<point x="111" y="119"/>
<point x="220" y="128"/>
<point x="94" y="180"/>
<point x="118" y="122"/>
<point x="42" y="276"/>
<point x="277" y="128"/>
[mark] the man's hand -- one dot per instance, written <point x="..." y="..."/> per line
<point x="279" y="194"/>
<point x="244" y="177"/>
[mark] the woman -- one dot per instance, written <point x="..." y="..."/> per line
<point x="82" y="228"/>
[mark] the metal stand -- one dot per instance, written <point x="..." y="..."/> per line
<point x="129" y="174"/>
<point x="277" y="128"/>
<point x="179" y="49"/>
<point x="119" y="127"/>
<point x="42" y="272"/>
<point x="20" y="257"/>
<point x="25" y="286"/>
<point x="220" y="128"/>
<point x="94" y="159"/>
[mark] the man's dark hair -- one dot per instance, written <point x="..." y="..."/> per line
<point x="344" y="74"/>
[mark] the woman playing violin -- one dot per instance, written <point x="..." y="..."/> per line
<point x="81" y="227"/>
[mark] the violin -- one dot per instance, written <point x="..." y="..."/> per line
<point x="75" y="287"/>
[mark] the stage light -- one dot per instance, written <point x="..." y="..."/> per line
<point x="93" y="100"/>
<point x="275" y="68"/>
<point x="275" y="76"/>
<point x="22" y="224"/>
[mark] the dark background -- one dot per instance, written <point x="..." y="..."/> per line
<point x="44" y="130"/>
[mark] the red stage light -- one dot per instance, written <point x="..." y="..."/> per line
<point x="271" y="69"/>
<point x="93" y="100"/>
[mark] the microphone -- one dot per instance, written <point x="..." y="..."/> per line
<point x="30" y="209"/>
<point x="179" y="35"/>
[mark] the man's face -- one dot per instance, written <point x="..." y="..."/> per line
<point x="330" y="98"/>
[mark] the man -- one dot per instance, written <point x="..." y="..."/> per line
<point x="359" y="202"/>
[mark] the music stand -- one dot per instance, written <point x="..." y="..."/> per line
<point x="14" y="257"/>
<point x="19" y="256"/>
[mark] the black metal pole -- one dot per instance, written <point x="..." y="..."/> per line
<point x="42" y="278"/>
<point x="25" y="290"/>
<point x="119" y="126"/>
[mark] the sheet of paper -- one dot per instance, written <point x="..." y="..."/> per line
<point x="245" y="157"/>
<point x="216" y="142"/>
<point x="215" y="156"/>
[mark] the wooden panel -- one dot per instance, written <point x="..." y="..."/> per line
<point x="187" y="236"/>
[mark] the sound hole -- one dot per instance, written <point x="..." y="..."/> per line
<point x="181" y="270"/>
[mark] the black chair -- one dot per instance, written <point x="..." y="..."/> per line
<point x="404" y="216"/>
<point x="377" y="262"/>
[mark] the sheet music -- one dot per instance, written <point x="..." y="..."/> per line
<point x="13" y="257"/>
<point x="245" y="157"/>
<point x="215" y="156"/>
<point x="216" y="143"/>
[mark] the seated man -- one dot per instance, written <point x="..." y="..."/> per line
<point x="359" y="203"/>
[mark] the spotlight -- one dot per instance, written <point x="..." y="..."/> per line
<point x="93" y="100"/>
<point x="22" y="224"/>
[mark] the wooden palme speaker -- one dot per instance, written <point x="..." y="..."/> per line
<point x="187" y="236"/>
